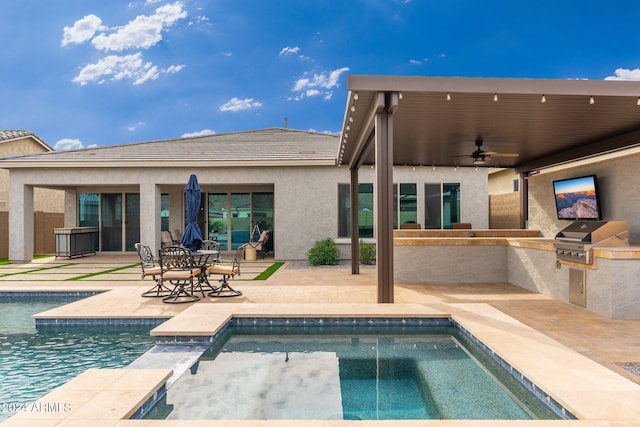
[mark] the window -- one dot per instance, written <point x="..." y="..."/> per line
<point x="405" y="207"/>
<point x="450" y="203"/>
<point x="89" y="210"/>
<point x="365" y="206"/>
<point x="433" y="206"/>
<point x="441" y="205"/>
<point x="164" y="212"/>
<point x="516" y="185"/>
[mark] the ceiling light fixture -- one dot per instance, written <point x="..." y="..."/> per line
<point x="355" y="96"/>
<point x="591" y="100"/>
<point x="544" y="99"/>
<point x="638" y="101"/>
<point x="495" y="97"/>
<point x="353" y="108"/>
<point x="448" y="96"/>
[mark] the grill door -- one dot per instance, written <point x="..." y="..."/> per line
<point x="578" y="287"/>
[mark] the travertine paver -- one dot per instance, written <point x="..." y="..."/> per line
<point x="540" y="324"/>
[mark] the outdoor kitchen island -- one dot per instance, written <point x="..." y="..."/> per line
<point x="611" y="284"/>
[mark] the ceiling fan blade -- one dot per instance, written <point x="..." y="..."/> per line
<point x="494" y="154"/>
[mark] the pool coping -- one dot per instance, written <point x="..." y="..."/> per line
<point x="591" y="392"/>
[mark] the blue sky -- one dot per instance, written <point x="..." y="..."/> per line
<point x="81" y="73"/>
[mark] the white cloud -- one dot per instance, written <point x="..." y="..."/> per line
<point x="68" y="144"/>
<point x="318" y="84"/>
<point x="174" y="69"/>
<point x="199" y="20"/>
<point x="323" y="80"/>
<point x="82" y="30"/>
<point x="625" y="74"/>
<point x="143" y="32"/>
<point x="198" y="133"/>
<point x="235" y="104"/>
<point x="289" y="51"/>
<point x="135" y="127"/>
<point x="114" y="68"/>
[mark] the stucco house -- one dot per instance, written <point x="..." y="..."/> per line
<point x="418" y="149"/>
<point x="280" y="179"/>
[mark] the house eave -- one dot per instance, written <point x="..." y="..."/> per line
<point x="141" y="163"/>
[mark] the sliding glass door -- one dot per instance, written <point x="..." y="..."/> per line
<point x="233" y="216"/>
<point x="117" y="215"/>
<point x="111" y="222"/>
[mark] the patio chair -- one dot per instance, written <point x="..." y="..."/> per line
<point x="176" y="235"/>
<point x="227" y="270"/>
<point x="261" y="245"/>
<point x="211" y="245"/>
<point x="178" y="268"/>
<point x="150" y="267"/>
<point x="166" y="240"/>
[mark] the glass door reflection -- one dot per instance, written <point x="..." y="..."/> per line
<point x="218" y="217"/>
<point x="240" y="219"/>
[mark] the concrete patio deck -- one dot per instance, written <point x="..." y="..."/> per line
<point x="576" y="354"/>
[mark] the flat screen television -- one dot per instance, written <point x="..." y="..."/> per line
<point x="577" y="198"/>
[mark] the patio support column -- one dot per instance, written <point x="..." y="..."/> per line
<point x="20" y="221"/>
<point x="355" y="226"/>
<point x="384" y="197"/>
<point x="70" y="208"/>
<point x="150" y="222"/>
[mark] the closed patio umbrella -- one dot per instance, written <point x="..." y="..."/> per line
<point x="192" y="237"/>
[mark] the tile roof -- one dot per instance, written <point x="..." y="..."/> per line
<point x="272" y="146"/>
<point x="14" y="134"/>
<point x="10" y="134"/>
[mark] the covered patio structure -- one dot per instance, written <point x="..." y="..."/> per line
<point x="525" y="124"/>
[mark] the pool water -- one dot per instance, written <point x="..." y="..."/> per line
<point x="358" y="375"/>
<point x="36" y="361"/>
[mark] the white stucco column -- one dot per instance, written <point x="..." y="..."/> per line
<point x="20" y="221"/>
<point x="70" y="208"/>
<point x="150" y="203"/>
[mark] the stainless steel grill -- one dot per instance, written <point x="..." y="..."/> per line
<point x="576" y="242"/>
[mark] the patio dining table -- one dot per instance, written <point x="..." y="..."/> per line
<point x="203" y="258"/>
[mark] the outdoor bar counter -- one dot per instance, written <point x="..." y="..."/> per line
<point x="75" y="241"/>
<point x="520" y="257"/>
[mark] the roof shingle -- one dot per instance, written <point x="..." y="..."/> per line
<point x="263" y="146"/>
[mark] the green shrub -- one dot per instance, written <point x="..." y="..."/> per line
<point x="324" y="252"/>
<point x="367" y="253"/>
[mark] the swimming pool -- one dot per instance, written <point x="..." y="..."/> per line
<point x="348" y="372"/>
<point x="36" y="360"/>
